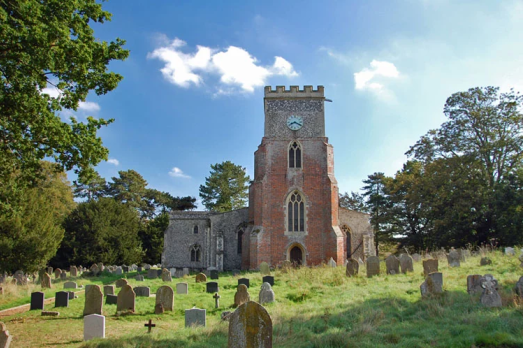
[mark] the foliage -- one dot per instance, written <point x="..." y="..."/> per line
<point x="226" y="188"/>
<point x="50" y="43"/>
<point x="102" y="230"/>
<point x="151" y="236"/>
<point x="377" y="204"/>
<point x="90" y="187"/>
<point x="354" y="201"/>
<point x="28" y="240"/>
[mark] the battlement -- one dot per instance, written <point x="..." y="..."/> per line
<point x="294" y="92"/>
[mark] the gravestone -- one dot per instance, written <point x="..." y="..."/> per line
<point x="243" y="281"/>
<point x="373" y="266"/>
<point x="70" y="285"/>
<point x="108" y="290"/>
<point x="266" y="294"/>
<point x="101" y="267"/>
<point x="173" y="272"/>
<point x="94" y="326"/>
<point x="5" y="338"/>
<point x="139" y="278"/>
<point x="139" y="269"/>
<point x="50" y="270"/>
<point x="332" y="263"/>
<point x="152" y="273"/>
<point x="195" y="317"/>
<point x="178" y="273"/>
<point x="201" y="278"/>
<point x="146" y="267"/>
<point x="264" y="268"/>
<point x="37" y="300"/>
<point x="215" y="274"/>
<point x="250" y="326"/>
<point x="490" y="297"/>
<point x="165" y="297"/>
<point x="406" y="264"/>
<point x="393" y="264"/>
<point x="352" y="268"/>
<point x="430" y="266"/>
<point x="93" y="300"/>
<point x="185" y="271"/>
<point x="57" y="273"/>
<point x="519" y="287"/>
<point x="61" y="299"/>
<point x="166" y="275"/>
<point x="474" y="284"/>
<point x="94" y="269"/>
<point x="125" y="269"/>
<point x="111" y="299"/>
<point x="510" y="251"/>
<point x="142" y="291"/>
<point x="212" y="287"/>
<point x="63" y="275"/>
<point x="46" y="281"/>
<point x="118" y="271"/>
<point x="241" y="296"/>
<point x="432" y="285"/>
<point x="126" y="299"/>
<point x="120" y="283"/>
<point x="159" y="272"/>
<point x="216" y="300"/>
<point x="453" y="258"/>
<point x="463" y="254"/>
<point x="71" y="295"/>
<point x="485" y="261"/>
<point x="416" y="257"/>
<point x="268" y="279"/>
<point x="74" y="271"/>
<point x="183" y="288"/>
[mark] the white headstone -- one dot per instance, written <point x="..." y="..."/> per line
<point x="94" y="326"/>
<point x="182" y="288"/>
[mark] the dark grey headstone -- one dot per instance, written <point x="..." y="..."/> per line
<point x="212" y="287"/>
<point x="159" y="271"/>
<point x="139" y="269"/>
<point x="268" y="279"/>
<point x="214" y="274"/>
<point x="61" y="299"/>
<point x="243" y="281"/>
<point x="125" y="269"/>
<point x="37" y="300"/>
<point x="142" y="291"/>
<point x="71" y="295"/>
<point x="111" y="299"/>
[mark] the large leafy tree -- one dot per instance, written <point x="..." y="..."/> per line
<point x="46" y="43"/>
<point x="374" y="191"/>
<point x="354" y="201"/>
<point x="90" y="187"/>
<point x="226" y="188"/>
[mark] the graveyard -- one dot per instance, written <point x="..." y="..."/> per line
<point x="314" y="307"/>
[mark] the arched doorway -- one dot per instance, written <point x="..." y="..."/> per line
<point x="296" y="255"/>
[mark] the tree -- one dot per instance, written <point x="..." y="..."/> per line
<point x="90" y="187"/>
<point x="50" y="43"/>
<point x="102" y="230"/>
<point x="131" y="189"/>
<point x="28" y="240"/>
<point x="152" y="238"/>
<point x="354" y="201"/>
<point x="376" y="202"/>
<point x="226" y="188"/>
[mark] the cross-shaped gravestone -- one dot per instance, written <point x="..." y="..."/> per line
<point x="150" y="325"/>
<point x="216" y="300"/>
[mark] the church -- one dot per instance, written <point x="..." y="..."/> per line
<point x="293" y="212"/>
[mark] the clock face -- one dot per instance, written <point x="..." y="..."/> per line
<point x="294" y="122"/>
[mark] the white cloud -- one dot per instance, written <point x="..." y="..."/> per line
<point x="234" y="66"/>
<point x="178" y="173"/>
<point x="366" y="78"/>
<point x="89" y="106"/>
<point x="113" y="161"/>
<point x="53" y="92"/>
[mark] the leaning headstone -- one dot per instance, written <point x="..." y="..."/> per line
<point x="111" y="299"/>
<point x="182" y="289"/>
<point x="166" y="275"/>
<point x="139" y="278"/>
<point x="57" y="273"/>
<point x="212" y="287"/>
<point x="94" y="326"/>
<point x="332" y="263"/>
<point x="393" y="264"/>
<point x="120" y="283"/>
<point x="432" y="285"/>
<point x="215" y="274"/>
<point x="61" y="299"/>
<point x="244" y="281"/>
<point x="152" y="273"/>
<point x="490" y="297"/>
<point x="519" y="287"/>
<point x="195" y="317"/>
<point x="241" y="296"/>
<point x="70" y="285"/>
<point x="165" y="297"/>
<point x="453" y="258"/>
<point x="201" y="278"/>
<point x="485" y="261"/>
<point x="250" y="326"/>
<point x="373" y="266"/>
<point x="93" y="300"/>
<point x="74" y="271"/>
<point x="268" y="279"/>
<point x="46" y="281"/>
<point x="126" y="299"/>
<point x="352" y="268"/>
<point x="430" y="266"/>
<point x="510" y="251"/>
<point x="5" y="338"/>
<point x="108" y="290"/>
<point x="142" y="291"/>
<point x="406" y="264"/>
<point x="474" y="284"/>
<point x="264" y="268"/>
<point x="266" y="294"/>
<point x="416" y="257"/>
<point x="37" y="300"/>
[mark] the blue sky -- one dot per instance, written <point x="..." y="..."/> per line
<point x="192" y="93"/>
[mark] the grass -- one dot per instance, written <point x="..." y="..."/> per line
<point x="315" y="307"/>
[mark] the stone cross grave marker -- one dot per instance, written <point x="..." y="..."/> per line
<point x="37" y="300"/>
<point x="393" y="264"/>
<point x="126" y="299"/>
<point x="490" y="297"/>
<point x="201" y="278"/>
<point x="5" y="338"/>
<point x="250" y="326"/>
<point x="352" y="268"/>
<point x="216" y="300"/>
<point x="183" y="288"/>
<point x="149" y="326"/>
<point x="195" y="317"/>
<point x="241" y="296"/>
<point x="430" y="266"/>
<point x="264" y="268"/>
<point x="108" y="290"/>
<point x="61" y="299"/>
<point x="94" y="326"/>
<point x="266" y="294"/>
<point x="432" y="285"/>
<point x="165" y="297"/>
<point x="453" y="258"/>
<point x="373" y="266"/>
<point x="268" y="279"/>
<point x="406" y="264"/>
<point x="474" y="284"/>
<point x="93" y="300"/>
<point x="142" y="291"/>
<point x="243" y="281"/>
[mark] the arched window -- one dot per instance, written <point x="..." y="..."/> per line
<point x="195" y="229"/>
<point x="196" y="254"/>
<point x="296" y="213"/>
<point x="240" y="240"/>
<point x="295" y="155"/>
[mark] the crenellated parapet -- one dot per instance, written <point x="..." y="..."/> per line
<point x="294" y="92"/>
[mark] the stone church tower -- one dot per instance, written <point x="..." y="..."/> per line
<point x="293" y="212"/>
<point x="293" y="202"/>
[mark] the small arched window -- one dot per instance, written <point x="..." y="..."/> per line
<point x="195" y="229"/>
<point x="240" y="240"/>
<point x="296" y="213"/>
<point x="196" y="254"/>
<point x="295" y="155"/>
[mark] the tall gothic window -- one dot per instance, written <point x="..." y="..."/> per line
<point x="295" y="155"/>
<point x="196" y="254"/>
<point x="296" y="213"/>
<point x="195" y="229"/>
<point x="240" y="240"/>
